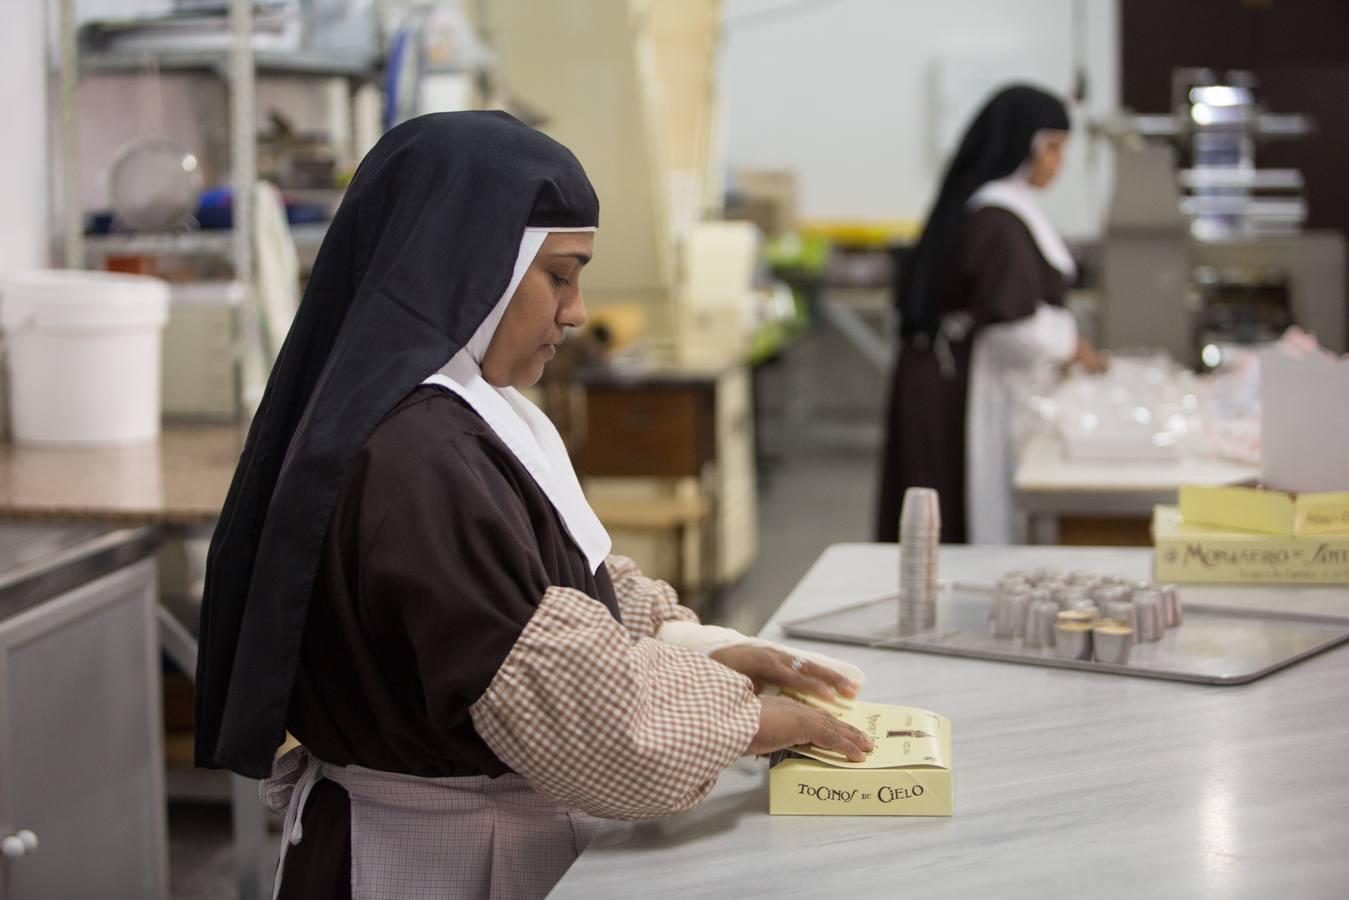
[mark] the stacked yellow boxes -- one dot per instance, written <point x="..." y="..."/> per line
<point x="1253" y="535"/>
<point x="1265" y="511"/>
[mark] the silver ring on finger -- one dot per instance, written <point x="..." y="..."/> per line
<point x="797" y="663"/>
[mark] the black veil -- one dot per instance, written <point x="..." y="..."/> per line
<point x="421" y="248"/>
<point x="995" y="145"/>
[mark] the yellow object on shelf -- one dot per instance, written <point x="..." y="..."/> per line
<point x="1265" y="511"/>
<point x="908" y="773"/>
<point x="617" y="326"/>
<point x="864" y="232"/>
<point x="1201" y="553"/>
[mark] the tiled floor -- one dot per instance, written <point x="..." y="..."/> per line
<point x="822" y="428"/>
<point x="815" y="500"/>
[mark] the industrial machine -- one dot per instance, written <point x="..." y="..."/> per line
<point x="1203" y="249"/>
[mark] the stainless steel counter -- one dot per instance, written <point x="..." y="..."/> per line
<point x="82" y="809"/>
<point x="40" y="561"/>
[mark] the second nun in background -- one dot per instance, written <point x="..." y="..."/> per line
<point x="980" y="303"/>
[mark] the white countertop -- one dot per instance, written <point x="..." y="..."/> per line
<point x="1044" y="468"/>
<point x="1068" y="783"/>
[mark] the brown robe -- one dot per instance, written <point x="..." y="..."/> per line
<point x="998" y="275"/>
<point x="438" y="553"/>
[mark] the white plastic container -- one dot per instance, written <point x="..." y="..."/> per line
<point x="83" y="351"/>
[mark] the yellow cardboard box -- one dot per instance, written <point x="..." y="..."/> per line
<point x="1197" y="553"/>
<point x="908" y="774"/>
<point x="1246" y="508"/>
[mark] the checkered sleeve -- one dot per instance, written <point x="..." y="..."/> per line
<point x="644" y="603"/>
<point x="617" y="728"/>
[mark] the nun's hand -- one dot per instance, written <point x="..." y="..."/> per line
<point x="767" y="666"/>
<point x="1089" y="358"/>
<point x="787" y="723"/>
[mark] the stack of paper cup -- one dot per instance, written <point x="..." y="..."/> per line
<point x="919" y="541"/>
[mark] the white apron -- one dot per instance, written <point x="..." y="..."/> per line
<point x="436" y="838"/>
<point x="1006" y="361"/>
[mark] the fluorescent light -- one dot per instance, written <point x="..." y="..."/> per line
<point x="1217" y="95"/>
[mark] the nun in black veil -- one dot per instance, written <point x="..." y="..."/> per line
<point x="981" y="307"/>
<point x="407" y="580"/>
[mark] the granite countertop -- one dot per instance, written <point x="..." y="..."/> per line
<point x="179" y="481"/>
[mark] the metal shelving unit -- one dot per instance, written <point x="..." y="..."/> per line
<point x="213" y="242"/>
<point x="237" y="67"/>
<point x="186" y="243"/>
<point x="237" y="64"/>
<point x="267" y="62"/>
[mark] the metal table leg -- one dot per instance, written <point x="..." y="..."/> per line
<point x="246" y="809"/>
<point x="250" y="836"/>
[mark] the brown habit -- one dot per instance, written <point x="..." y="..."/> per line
<point x="439" y="551"/>
<point x="998" y="275"/>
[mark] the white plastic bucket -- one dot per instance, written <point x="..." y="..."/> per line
<point x="83" y="356"/>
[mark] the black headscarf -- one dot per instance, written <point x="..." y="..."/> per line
<point x="995" y="145"/>
<point x="420" y="250"/>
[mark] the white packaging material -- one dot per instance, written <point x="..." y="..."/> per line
<point x="1304" y="432"/>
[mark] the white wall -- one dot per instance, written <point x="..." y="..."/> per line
<point x="23" y="155"/>
<point x="858" y="95"/>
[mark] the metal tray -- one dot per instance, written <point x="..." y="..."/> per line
<point x="1215" y="645"/>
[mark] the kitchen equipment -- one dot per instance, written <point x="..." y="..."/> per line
<point x="1189" y="196"/>
<point x="153" y="185"/>
<point x="1239" y="307"/>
